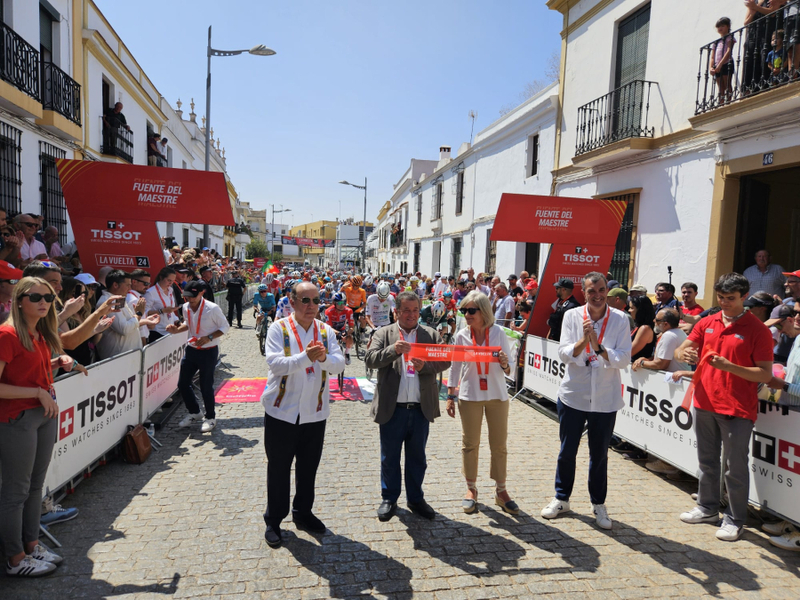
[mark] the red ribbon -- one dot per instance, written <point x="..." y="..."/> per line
<point x="438" y="352"/>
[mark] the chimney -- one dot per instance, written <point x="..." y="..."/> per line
<point x="444" y="153"/>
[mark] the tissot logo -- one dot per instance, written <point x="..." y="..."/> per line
<point x="789" y="456"/>
<point x="66" y="423"/>
<point x="115" y="233"/>
<point x="775" y="452"/>
<point x="548" y="366"/>
<point x="764" y="447"/>
<point x="580" y="257"/>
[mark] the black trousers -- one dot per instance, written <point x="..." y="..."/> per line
<point x="237" y="303"/>
<point x="286" y="442"/>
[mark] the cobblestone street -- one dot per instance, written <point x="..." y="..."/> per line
<point x="188" y="523"/>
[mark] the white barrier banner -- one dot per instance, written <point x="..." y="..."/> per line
<point x="652" y="418"/>
<point x="94" y="414"/>
<point x="161" y="364"/>
<point x="775" y="461"/>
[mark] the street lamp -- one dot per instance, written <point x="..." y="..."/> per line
<point x="272" y="230"/>
<point x="260" y="50"/>
<point x="363" y="223"/>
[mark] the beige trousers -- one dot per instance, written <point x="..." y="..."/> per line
<point x="496" y="412"/>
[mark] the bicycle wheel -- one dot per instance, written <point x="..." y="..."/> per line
<point x="262" y="337"/>
<point x="357" y="339"/>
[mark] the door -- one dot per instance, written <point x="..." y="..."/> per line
<point x="751" y="232"/>
<point x="629" y="74"/>
<point x="532" y="258"/>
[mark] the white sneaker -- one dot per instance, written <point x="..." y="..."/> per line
<point x="789" y="541"/>
<point x="347" y="359"/>
<point x="696" y="515"/>
<point x="555" y="508"/>
<point x="189" y="419"/>
<point x="42" y="552"/>
<point x="729" y="532"/>
<point x="779" y="528"/>
<point x="601" y="516"/>
<point x="208" y="425"/>
<point x="30" y="567"/>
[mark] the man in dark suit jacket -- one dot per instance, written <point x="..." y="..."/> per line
<point x="406" y="401"/>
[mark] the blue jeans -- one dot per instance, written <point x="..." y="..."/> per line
<point x="193" y="361"/>
<point x="410" y="427"/>
<point x="600" y="428"/>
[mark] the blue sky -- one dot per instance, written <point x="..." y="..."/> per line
<point x="357" y="88"/>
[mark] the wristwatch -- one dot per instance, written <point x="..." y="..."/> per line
<point x="600" y="349"/>
<point x="452" y="397"/>
<point x="786" y="387"/>
<point x="210" y="337"/>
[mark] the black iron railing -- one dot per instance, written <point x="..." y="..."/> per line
<point x="762" y="55"/>
<point x="19" y="62"/>
<point x="619" y="115"/>
<point x="161" y="162"/>
<point x="117" y="141"/>
<point x="61" y="93"/>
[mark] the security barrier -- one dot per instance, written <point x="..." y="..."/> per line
<point x="96" y="410"/>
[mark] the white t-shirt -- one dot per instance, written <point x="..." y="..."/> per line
<point x="439" y="288"/>
<point x="503" y="306"/>
<point x="32" y="250"/>
<point x="379" y="311"/>
<point x="666" y="346"/>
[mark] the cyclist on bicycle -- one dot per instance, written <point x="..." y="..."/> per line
<point x="326" y="297"/>
<point x="340" y="317"/>
<point x="435" y="316"/>
<point x="273" y="285"/>
<point x="369" y="285"/>
<point x="380" y="307"/>
<point x="356" y="298"/>
<point x="264" y="305"/>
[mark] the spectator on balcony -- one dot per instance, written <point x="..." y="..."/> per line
<point x="115" y="118"/>
<point x="720" y="63"/>
<point x="162" y="147"/>
<point x="754" y="72"/>
<point x="765" y="276"/>
<point x="776" y="59"/>
<point x="153" y="153"/>
<point x="30" y="248"/>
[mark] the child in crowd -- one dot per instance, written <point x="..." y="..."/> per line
<point x="776" y="59"/>
<point x="720" y="61"/>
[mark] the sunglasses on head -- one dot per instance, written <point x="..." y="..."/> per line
<point x="310" y="300"/>
<point x="79" y="292"/>
<point x="36" y="298"/>
<point x="472" y="310"/>
<point x="11" y="281"/>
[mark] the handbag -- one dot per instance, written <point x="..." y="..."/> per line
<point x="136" y="447"/>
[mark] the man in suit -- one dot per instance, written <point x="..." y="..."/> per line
<point x="406" y="401"/>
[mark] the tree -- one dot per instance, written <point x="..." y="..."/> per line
<point x="257" y="249"/>
<point x="552" y="69"/>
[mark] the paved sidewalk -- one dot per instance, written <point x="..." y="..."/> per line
<point x="188" y="523"/>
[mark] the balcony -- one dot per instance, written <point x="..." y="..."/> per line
<point x="397" y="239"/>
<point x="160" y="162"/>
<point x="61" y="93"/>
<point x="117" y="141"/>
<point x="19" y="62"/>
<point x="620" y="118"/>
<point x="752" y="78"/>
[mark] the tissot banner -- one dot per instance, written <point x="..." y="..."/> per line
<point x="99" y="194"/>
<point x="125" y="244"/>
<point x="307" y="242"/>
<point x="583" y="232"/>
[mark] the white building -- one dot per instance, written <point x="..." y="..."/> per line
<point x="709" y="179"/>
<point x="349" y="236"/>
<point x="441" y="214"/>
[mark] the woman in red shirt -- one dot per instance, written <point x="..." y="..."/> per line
<point x="28" y="425"/>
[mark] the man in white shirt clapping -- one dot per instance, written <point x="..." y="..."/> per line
<point x="301" y="352"/>
<point x="595" y="345"/>
<point x="206" y="324"/>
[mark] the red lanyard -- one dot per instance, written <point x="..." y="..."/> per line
<point x="158" y="291"/>
<point x="297" y="335"/>
<point x="199" y="317"/>
<point x="485" y="343"/>
<point x="602" y="329"/>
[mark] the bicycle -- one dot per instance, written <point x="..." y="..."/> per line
<point x="262" y="326"/>
<point x="447" y="339"/>
<point x="343" y="346"/>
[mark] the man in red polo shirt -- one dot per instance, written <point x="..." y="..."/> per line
<point x="733" y="351"/>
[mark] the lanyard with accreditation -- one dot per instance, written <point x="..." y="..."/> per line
<point x="591" y="360"/>
<point x="196" y="335"/>
<point x="309" y="370"/>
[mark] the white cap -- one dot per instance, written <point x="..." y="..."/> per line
<point x="437" y="274"/>
<point x="86" y="279"/>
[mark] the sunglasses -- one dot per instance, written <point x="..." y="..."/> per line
<point x="142" y="281"/>
<point x="310" y="300"/>
<point x="472" y="310"/>
<point x="11" y="281"/>
<point x="79" y="292"/>
<point x="36" y="298"/>
<point x="6" y="234"/>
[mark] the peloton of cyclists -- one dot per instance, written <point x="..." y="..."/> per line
<point x="340" y="317"/>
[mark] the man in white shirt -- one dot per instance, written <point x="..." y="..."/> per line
<point x="140" y="281"/>
<point x="672" y="336"/>
<point x="503" y="306"/>
<point x="380" y="305"/>
<point x="30" y="248"/>
<point x="123" y="335"/>
<point x="439" y="286"/>
<point x="206" y="324"/>
<point x="301" y="352"/>
<point x="595" y="345"/>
